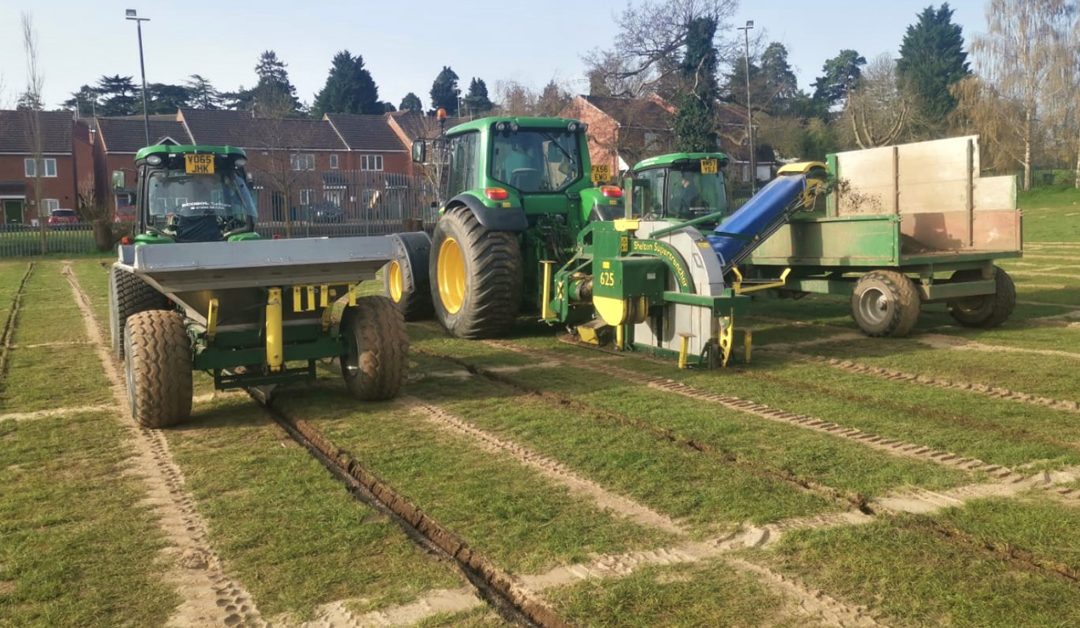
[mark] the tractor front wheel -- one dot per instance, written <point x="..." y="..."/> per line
<point x="987" y="310"/>
<point x="376" y="349"/>
<point x="476" y="277"/>
<point x="405" y="280"/>
<point x="885" y="303"/>
<point x="158" y="368"/>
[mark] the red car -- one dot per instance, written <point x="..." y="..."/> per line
<point x="61" y="218"/>
<point x="125" y="213"/>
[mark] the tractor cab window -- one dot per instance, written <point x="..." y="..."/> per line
<point x="536" y="160"/>
<point x="693" y="194"/>
<point x="649" y="194"/>
<point x="198" y="207"/>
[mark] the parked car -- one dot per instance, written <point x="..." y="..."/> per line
<point x="63" y="218"/>
<point x="326" y="212"/>
<point x="125" y="213"/>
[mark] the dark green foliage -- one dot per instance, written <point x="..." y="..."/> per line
<point x="411" y="102"/>
<point x="445" y="92"/>
<point x="839" y="76"/>
<point x="202" y="93"/>
<point x="932" y="58"/>
<point x="29" y="101"/>
<point x="165" y="98"/>
<point x="116" y="96"/>
<point x="349" y="88"/>
<point x="477" y="101"/>
<point x="695" y="124"/>
<point x="85" y="100"/>
<point x="274" y="94"/>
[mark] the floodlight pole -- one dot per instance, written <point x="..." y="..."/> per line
<point x="749" y="114"/>
<point x="131" y="15"/>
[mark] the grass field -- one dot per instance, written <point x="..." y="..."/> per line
<point x="920" y="481"/>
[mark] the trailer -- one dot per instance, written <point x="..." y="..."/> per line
<point x="904" y="226"/>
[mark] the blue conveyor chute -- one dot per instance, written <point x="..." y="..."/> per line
<point x="765" y="212"/>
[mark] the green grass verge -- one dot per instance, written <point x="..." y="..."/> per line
<point x="480" y="617"/>
<point x="1051" y="214"/>
<point x="709" y="593"/>
<point x="919" y="578"/>
<point x="78" y="549"/>
<point x="519" y="519"/>
<point x="289" y="531"/>
<point x="43" y="378"/>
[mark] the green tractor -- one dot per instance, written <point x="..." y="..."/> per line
<point x="198" y="289"/>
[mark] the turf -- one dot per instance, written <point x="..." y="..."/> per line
<point x="79" y="549"/>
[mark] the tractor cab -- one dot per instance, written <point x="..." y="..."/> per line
<point x="680" y="187"/>
<point x="192" y="194"/>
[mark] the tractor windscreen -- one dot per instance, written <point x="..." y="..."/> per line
<point x="693" y="194"/>
<point x="536" y="160"/>
<point x="198" y="207"/>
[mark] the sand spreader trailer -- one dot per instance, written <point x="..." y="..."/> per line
<point x="198" y="289"/>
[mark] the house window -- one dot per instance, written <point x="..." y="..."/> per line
<point x="306" y="196"/>
<point x="50" y="204"/>
<point x="333" y="161"/>
<point x="371" y="162"/>
<point x="333" y="196"/>
<point x="48" y="168"/>
<point x="302" y="161"/>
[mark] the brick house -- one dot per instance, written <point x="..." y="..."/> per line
<point x="410" y="126"/>
<point x="66" y="161"/>
<point x="622" y="131"/>
<point x="115" y="142"/>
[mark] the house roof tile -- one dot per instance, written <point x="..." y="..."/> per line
<point x="56" y="129"/>
<point x="126" y="134"/>
<point x="644" y="113"/>
<point x="365" y="132"/>
<point x="237" y="128"/>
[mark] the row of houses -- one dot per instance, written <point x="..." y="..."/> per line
<point x="294" y="162"/>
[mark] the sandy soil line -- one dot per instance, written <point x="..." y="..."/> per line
<point x="549" y="468"/>
<point x="337" y="614"/>
<point x="47" y="345"/>
<point x="209" y="595"/>
<point x="53" y="412"/>
<point x="1028" y="273"/>
<point x="938" y="341"/>
<point x="11" y="322"/>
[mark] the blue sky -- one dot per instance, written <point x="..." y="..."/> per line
<point x="404" y="44"/>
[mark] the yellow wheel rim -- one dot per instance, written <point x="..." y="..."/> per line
<point x="451" y="275"/>
<point x="396" y="281"/>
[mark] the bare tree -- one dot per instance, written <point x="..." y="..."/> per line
<point x="876" y="109"/>
<point x="283" y="164"/>
<point x="981" y="109"/>
<point x="1018" y="54"/>
<point x="34" y="136"/>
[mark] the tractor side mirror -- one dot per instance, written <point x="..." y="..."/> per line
<point x="419" y="151"/>
<point x="118" y="180"/>
<point x="554" y="153"/>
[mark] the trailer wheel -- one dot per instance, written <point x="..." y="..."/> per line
<point x="128" y="294"/>
<point x="158" y="368"/>
<point x="405" y="281"/>
<point x="987" y="310"/>
<point x="376" y="349"/>
<point x="885" y="303"/>
<point x="476" y="276"/>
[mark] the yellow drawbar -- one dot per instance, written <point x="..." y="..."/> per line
<point x="274" y="351"/>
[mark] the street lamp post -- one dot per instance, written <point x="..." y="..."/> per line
<point x="131" y="15"/>
<point x="749" y="115"/>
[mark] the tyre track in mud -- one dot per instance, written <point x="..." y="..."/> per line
<point x="208" y="594"/>
<point x="728" y="458"/>
<point x="494" y="585"/>
<point x="11" y="323"/>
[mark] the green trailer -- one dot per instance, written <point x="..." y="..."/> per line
<point x="903" y="226"/>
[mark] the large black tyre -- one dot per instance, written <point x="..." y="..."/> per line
<point x="128" y="294"/>
<point x="476" y="278"/>
<point x="158" y="368"/>
<point x="988" y="310"/>
<point x="377" y="346"/>
<point x="405" y="280"/>
<point x="885" y="303"/>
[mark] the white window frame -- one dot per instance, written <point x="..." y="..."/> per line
<point x="48" y="163"/>
<point x="334" y="196"/>
<point x="302" y="161"/>
<point x="306" y="196"/>
<point x="373" y="163"/>
<point x="333" y="161"/>
<point x="50" y="204"/>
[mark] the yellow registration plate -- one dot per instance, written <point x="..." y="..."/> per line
<point x="199" y="164"/>
<point x="708" y="166"/>
<point x="601" y="173"/>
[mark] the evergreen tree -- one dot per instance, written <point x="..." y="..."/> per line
<point x="476" y="100"/>
<point x="695" y="124"/>
<point x="29" y="101"/>
<point x="87" y="100"/>
<point x="203" y="94"/>
<point x="117" y="96"/>
<point x="165" y="98"/>
<point x="552" y="100"/>
<point x="779" y="79"/>
<point x="839" y="76"/>
<point x="274" y="95"/>
<point x="411" y="102"/>
<point x="445" y="92"/>
<point x="349" y="88"/>
<point x="932" y="58"/>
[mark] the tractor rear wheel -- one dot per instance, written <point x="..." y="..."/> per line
<point x="158" y="368"/>
<point x="987" y="310"/>
<point x="406" y="280"/>
<point x="129" y="294"/>
<point x="885" y="303"/>
<point x="476" y="277"/>
<point x="376" y="349"/>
